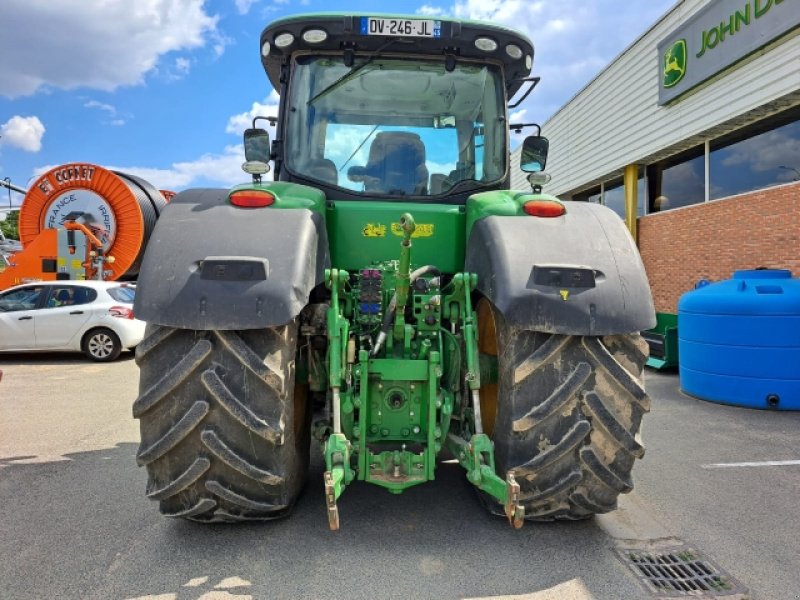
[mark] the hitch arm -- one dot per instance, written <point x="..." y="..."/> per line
<point x="477" y="457"/>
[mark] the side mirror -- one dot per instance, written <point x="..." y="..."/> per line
<point x="534" y="154"/>
<point x="256" y="145"/>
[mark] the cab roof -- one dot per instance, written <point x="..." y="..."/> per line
<point x="347" y="31"/>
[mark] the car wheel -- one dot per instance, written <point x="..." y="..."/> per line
<point x="101" y="345"/>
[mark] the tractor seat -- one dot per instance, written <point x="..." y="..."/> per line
<point x="322" y="169"/>
<point x="396" y="165"/>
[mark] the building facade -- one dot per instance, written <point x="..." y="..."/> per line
<point x="692" y="135"/>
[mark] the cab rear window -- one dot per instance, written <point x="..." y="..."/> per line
<point x="122" y="294"/>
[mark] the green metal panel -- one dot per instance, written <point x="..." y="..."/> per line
<point x="401" y="370"/>
<point x="663" y="341"/>
<point x="364" y="233"/>
<point x="506" y="203"/>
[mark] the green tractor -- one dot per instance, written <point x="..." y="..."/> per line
<point x="389" y="287"/>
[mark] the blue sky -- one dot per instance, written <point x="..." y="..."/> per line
<point x="163" y="88"/>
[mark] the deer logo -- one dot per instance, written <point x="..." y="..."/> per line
<point x="674" y="64"/>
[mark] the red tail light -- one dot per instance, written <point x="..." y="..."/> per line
<point x="544" y="208"/>
<point x="252" y="199"/>
<point x="121" y="312"/>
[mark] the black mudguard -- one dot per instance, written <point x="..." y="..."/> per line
<point x="578" y="274"/>
<point x="211" y="265"/>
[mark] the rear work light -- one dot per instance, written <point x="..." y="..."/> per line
<point x="121" y="312"/>
<point x="544" y="208"/>
<point x="252" y="199"/>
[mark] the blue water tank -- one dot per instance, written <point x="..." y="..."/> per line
<point x="739" y="340"/>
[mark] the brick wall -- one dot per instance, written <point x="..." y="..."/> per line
<point x="712" y="240"/>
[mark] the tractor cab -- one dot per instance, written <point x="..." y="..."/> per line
<point x="385" y="107"/>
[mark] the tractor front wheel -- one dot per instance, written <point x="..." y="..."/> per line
<point x="224" y="431"/>
<point x="564" y="415"/>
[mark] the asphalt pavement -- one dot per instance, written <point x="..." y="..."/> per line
<point x="75" y="522"/>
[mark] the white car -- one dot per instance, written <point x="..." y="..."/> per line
<point x="93" y="317"/>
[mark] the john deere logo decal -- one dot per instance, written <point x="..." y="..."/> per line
<point x="674" y="64"/>
<point x="374" y="230"/>
<point x="422" y="230"/>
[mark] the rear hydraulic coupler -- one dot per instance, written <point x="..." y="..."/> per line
<point x="403" y="380"/>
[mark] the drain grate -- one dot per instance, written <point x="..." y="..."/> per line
<point x="679" y="571"/>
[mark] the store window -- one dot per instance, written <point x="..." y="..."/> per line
<point x="592" y="195"/>
<point x="612" y="194"/>
<point x="756" y="158"/>
<point x="614" y="197"/>
<point x="641" y="193"/>
<point x="677" y="182"/>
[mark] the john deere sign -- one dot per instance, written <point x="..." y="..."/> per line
<point x="718" y="36"/>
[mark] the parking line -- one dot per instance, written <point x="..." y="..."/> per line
<point x="764" y="463"/>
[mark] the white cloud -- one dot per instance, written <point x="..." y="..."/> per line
<point x="183" y="65"/>
<point x="115" y="43"/>
<point x="210" y="169"/>
<point x="508" y="12"/>
<point x="113" y="115"/>
<point x="571" y="38"/>
<point x="243" y="6"/>
<point x="111" y="110"/>
<point x="517" y="116"/>
<point x="224" y="169"/>
<point x="24" y="133"/>
<point x="431" y="11"/>
<point x="269" y="108"/>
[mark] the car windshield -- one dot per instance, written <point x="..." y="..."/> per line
<point x="122" y="294"/>
<point x="396" y="127"/>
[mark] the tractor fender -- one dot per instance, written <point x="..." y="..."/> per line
<point x="211" y="265"/>
<point x="577" y="274"/>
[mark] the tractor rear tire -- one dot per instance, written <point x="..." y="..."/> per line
<point x="225" y="432"/>
<point x="567" y="422"/>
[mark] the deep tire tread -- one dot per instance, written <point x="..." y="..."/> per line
<point x="173" y="378"/>
<point x="228" y="400"/>
<point x="568" y="420"/>
<point x="557" y="400"/>
<point x="157" y="335"/>
<point x="594" y="406"/>
<point x="615" y="481"/>
<point x="216" y="410"/>
<point x="216" y="488"/>
<point x="182" y="481"/>
<point x="581" y="501"/>
<point x="218" y="448"/>
<point x="568" y="482"/>
<point x="174" y="435"/>
<point x="250" y="359"/>
<point x="606" y="361"/>
<point x="204" y="505"/>
<point x="573" y="438"/>
<point x="544" y="354"/>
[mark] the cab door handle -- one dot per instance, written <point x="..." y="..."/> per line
<point x="76" y="312"/>
<point x="24" y="318"/>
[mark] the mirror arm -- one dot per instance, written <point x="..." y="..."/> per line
<point x="518" y="127"/>
<point x="533" y="82"/>
<point x="272" y="121"/>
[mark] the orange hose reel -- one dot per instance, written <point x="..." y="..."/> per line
<point x="119" y="209"/>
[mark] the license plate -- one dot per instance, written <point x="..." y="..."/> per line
<point x="401" y="27"/>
